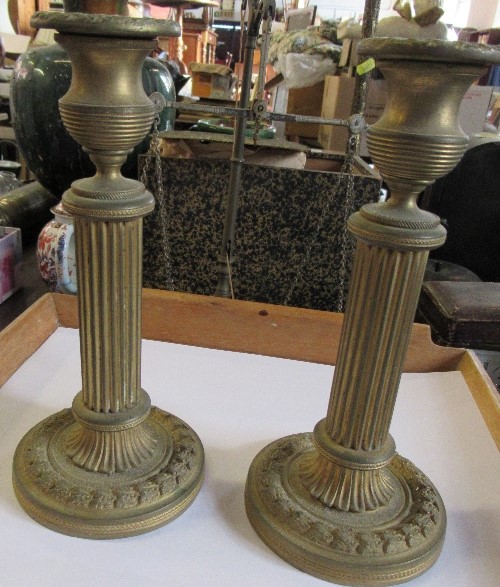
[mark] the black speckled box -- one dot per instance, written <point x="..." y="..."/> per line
<point x="278" y="219"/>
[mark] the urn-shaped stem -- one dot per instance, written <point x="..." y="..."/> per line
<point x="110" y="123"/>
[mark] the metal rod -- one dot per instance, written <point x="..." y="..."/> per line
<point x="224" y="261"/>
<point x="249" y="114"/>
<point x="306" y="119"/>
<point x="209" y="109"/>
<point x="370" y="19"/>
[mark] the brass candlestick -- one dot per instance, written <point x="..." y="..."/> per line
<point x="340" y="504"/>
<point x="112" y="466"/>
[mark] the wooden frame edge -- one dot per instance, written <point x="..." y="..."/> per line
<point x="250" y="327"/>
<point x="259" y="328"/>
<point x="483" y="391"/>
<point x="20" y="339"/>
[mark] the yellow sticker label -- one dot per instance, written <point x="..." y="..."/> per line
<point x="366" y="66"/>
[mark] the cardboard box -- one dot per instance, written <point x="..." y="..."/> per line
<point x="337" y="101"/>
<point x="11" y="257"/>
<point x="474" y="109"/>
<point x="14" y="46"/>
<point x="213" y="81"/>
<point x="307" y="102"/>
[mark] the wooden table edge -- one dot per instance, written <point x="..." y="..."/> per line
<point x="248" y="327"/>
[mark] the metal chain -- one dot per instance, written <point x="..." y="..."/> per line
<point x="229" y="271"/>
<point x="345" y="177"/>
<point x="155" y="186"/>
<point x="347" y="243"/>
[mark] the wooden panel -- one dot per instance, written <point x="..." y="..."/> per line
<point x="306" y="102"/>
<point x="20" y="339"/>
<point x="265" y="329"/>
<point x="483" y="391"/>
<point x="194" y="44"/>
<point x="20" y="12"/>
<point x="192" y="48"/>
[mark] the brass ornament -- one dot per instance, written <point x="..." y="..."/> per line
<point x="112" y="466"/>
<point x="388" y="545"/>
<point x="340" y="503"/>
<point x="93" y="503"/>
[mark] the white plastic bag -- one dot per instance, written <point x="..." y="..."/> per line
<point x="301" y="71"/>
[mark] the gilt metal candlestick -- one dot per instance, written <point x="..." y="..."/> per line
<point x="112" y="466"/>
<point x="340" y="503"/>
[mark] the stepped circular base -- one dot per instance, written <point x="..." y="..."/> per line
<point x="74" y="501"/>
<point x="390" y="545"/>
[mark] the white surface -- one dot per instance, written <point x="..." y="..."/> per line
<point x="237" y="404"/>
<point x="14" y="43"/>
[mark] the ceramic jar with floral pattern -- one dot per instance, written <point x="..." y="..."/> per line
<point x="56" y="252"/>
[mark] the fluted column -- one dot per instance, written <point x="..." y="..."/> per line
<point x="110" y="273"/>
<point x="109" y="305"/>
<point x="353" y="441"/>
<point x="363" y="394"/>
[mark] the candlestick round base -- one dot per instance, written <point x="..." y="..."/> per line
<point x="71" y="500"/>
<point x="386" y="546"/>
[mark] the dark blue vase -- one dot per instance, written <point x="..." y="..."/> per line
<point x="41" y="77"/>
